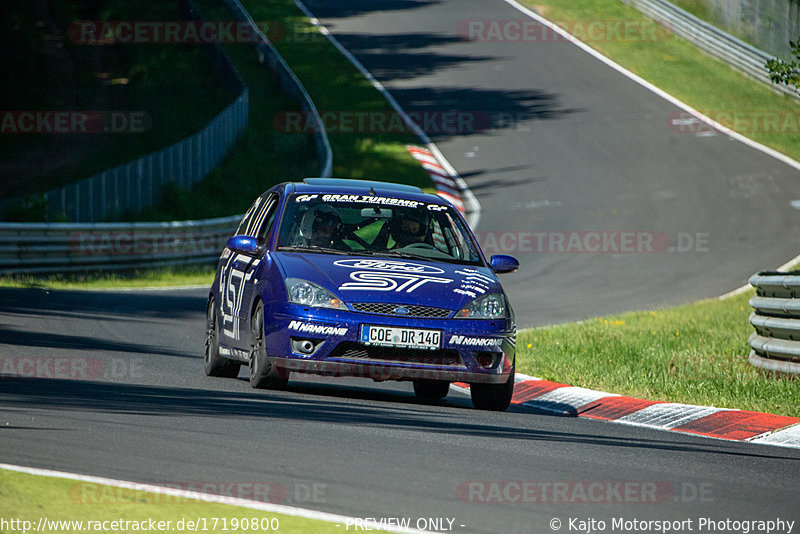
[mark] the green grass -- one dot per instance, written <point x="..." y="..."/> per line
<point x="161" y="277"/>
<point x="693" y="354"/>
<point x="29" y="498"/>
<point x="336" y="86"/>
<point x="682" y="70"/>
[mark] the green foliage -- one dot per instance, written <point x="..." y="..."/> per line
<point x="786" y="72"/>
<point x="695" y="354"/>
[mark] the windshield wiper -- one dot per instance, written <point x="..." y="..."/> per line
<point x="313" y="248"/>
<point x="401" y="254"/>
<point x="410" y="255"/>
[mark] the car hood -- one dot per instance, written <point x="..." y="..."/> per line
<point x="392" y="280"/>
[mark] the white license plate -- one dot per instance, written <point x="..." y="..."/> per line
<point x="387" y="336"/>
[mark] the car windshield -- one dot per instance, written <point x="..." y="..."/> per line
<point x="363" y="224"/>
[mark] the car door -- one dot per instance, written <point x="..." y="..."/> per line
<point x="236" y="281"/>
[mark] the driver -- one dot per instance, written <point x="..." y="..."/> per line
<point x="322" y="226"/>
<point x="408" y="227"/>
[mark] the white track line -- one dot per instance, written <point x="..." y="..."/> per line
<point x="660" y="92"/>
<point x="205" y="497"/>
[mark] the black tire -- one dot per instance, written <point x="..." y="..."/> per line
<point x="263" y="375"/>
<point x="431" y="389"/>
<point x="216" y="365"/>
<point x="493" y="397"/>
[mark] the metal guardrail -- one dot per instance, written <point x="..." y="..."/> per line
<point x="289" y="82"/>
<point x="138" y="184"/>
<point x="69" y="247"/>
<point x="740" y="55"/>
<point x="776" y="319"/>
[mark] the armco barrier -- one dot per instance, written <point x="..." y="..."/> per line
<point x="776" y="319"/>
<point x="715" y="42"/>
<point x="69" y="247"/>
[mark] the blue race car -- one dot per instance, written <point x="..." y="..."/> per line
<point x="356" y="278"/>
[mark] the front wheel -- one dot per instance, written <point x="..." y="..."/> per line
<point x="263" y="374"/>
<point x="493" y="397"/>
<point x="216" y="365"/>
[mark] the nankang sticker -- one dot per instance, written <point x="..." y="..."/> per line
<point x="474" y="341"/>
<point x="307" y="328"/>
<point x="368" y="199"/>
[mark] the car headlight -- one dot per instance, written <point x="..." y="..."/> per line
<point x="491" y="306"/>
<point x="310" y="294"/>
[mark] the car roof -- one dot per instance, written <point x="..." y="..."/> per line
<point x="361" y="187"/>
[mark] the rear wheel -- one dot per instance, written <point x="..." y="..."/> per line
<point x="263" y="374"/>
<point x="216" y="365"/>
<point x="431" y="389"/>
<point x="493" y="397"/>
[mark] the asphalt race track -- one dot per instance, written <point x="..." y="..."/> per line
<point x="564" y="146"/>
<point x="121" y="392"/>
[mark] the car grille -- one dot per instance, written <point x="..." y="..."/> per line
<point x="350" y="350"/>
<point x="383" y="308"/>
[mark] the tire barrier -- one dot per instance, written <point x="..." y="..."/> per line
<point x="776" y="318"/>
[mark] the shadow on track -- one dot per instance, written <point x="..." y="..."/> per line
<point x="26" y="394"/>
<point x="23" y="338"/>
<point x="106" y="305"/>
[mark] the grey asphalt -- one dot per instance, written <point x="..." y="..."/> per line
<point x="138" y="407"/>
<point x="570" y="145"/>
<point x="589" y="151"/>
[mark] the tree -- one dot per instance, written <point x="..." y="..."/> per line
<point x="786" y="72"/>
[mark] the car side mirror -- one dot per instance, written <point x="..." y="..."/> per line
<point x="243" y="244"/>
<point x="501" y="263"/>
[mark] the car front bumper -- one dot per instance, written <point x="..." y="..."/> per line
<point x="470" y="350"/>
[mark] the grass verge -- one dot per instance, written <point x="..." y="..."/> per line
<point x="684" y="71"/>
<point x="27" y="497"/>
<point x="694" y="354"/>
<point x="161" y="277"/>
